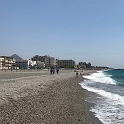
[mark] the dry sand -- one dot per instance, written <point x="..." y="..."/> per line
<point x="44" y="99"/>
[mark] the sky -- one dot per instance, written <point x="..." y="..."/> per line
<point x="82" y="30"/>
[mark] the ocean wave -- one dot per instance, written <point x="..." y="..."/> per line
<point x="108" y="99"/>
<point x="115" y="97"/>
<point x="100" y="77"/>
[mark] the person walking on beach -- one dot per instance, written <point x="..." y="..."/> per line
<point x="51" y="70"/>
<point x="81" y="73"/>
<point x="76" y="74"/>
<point x="57" y="70"/>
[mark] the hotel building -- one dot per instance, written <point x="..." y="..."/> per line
<point x="66" y="63"/>
<point x="6" y="62"/>
<point x="49" y="61"/>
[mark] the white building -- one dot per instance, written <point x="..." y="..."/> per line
<point x="6" y="62"/>
<point x="1" y="62"/>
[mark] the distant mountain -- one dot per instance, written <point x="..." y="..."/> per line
<point x="16" y="57"/>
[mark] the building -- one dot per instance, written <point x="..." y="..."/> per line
<point x="40" y="65"/>
<point x="48" y="61"/>
<point x="22" y="64"/>
<point x="26" y="64"/>
<point x="29" y="64"/>
<point x="38" y="58"/>
<point x="66" y="63"/>
<point x="6" y="62"/>
<point x="1" y="62"/>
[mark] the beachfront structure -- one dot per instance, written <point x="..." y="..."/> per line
<point x="48" y="61"/>
<point x="66" y="63"/>
<point x="40" y="65"/>
<point x="6" y="62"/>
<point x="22" y="64"/>
<point x="29" y="64"/>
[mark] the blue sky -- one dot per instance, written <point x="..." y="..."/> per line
<point x="82" y="30"/>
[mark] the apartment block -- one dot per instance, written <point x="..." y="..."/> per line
<point x="66" y="63"/>
<point x="6" y="62"/>
<point x="49" y="61"/>
<point x="29" y="64"/>
<point x="22" y="64"/>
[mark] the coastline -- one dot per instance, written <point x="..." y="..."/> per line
<point x="54" y="99"/>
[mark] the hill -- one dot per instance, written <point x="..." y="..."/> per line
<point x="16" y="57"/>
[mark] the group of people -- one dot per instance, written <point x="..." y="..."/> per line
<point x="81" y="73"/>
<point x="52" y="70"/>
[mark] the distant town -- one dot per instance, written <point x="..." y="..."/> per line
<point x="38" y="62"/>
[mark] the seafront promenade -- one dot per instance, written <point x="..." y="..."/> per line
<point x="40" y="98"/>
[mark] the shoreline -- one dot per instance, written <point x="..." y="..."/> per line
<point x="61" y="101"/>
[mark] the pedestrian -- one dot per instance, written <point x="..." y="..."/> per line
<point x="57" y="70"/>
<point x="81" y="73"/>
<point x="51" y="70"/>
<point x="76" y="74"/>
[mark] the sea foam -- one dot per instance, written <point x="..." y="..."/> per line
<point x="109" y="98"/>
<point x="115" y="97"/>
<point x="100" y="77"/>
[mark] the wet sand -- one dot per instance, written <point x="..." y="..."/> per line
<point x="45" y="99"/>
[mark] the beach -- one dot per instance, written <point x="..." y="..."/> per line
<point x="41" y="98"/>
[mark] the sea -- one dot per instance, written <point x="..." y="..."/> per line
<point x="106" y="89"/>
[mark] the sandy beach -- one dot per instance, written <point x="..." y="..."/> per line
<point x="41" y="98"/>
